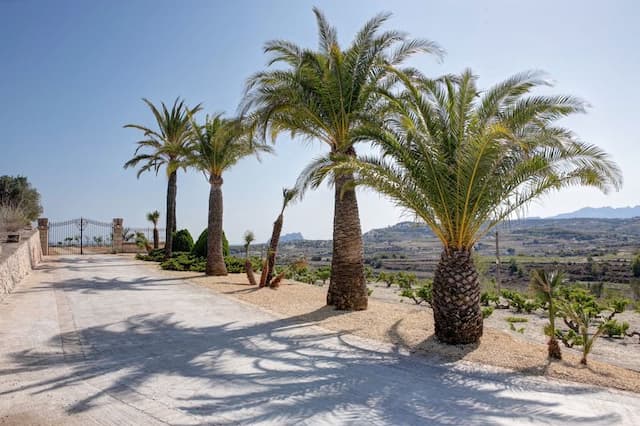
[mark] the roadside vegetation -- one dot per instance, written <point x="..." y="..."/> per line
<point x="460" y="157"/>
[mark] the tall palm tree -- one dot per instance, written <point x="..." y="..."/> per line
<point x="215" y="147"/>
<point x="545" y="285"/>
<point x="326" y="95"/>
<point x="463" y="160"/>
<point x="288" y="196"/>
<point x="165" y="147"/>
<point x="153" y="217"/>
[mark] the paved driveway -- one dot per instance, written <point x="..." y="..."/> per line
<point x="96" y="340"/>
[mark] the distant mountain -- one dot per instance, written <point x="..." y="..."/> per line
<point x="294" y="236"/>
<point x="403" y="231"/>
<point x="602" y="213"/>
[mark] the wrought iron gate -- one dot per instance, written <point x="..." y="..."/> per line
<point x="80" y="236"/>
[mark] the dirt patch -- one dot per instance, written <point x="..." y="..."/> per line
<point x="411" y="327"/>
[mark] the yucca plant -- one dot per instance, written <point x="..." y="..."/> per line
<point x="288" y="195"/>
<point x="545" y="285"/>
<point x="165" y="147"/>
<point x="214" y="147"/>
<point x="463" y="160"/>
<point x="153" y="217"/>
<point x="327" y="95"/>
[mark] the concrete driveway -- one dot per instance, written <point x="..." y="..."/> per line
<point x="96" y="340"/>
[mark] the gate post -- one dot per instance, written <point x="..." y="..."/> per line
<point x="117" y="235"/>
<point x="43" y="230"/>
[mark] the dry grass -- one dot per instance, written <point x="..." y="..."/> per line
<point x="411" y="327"/>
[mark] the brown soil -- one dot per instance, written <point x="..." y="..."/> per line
<point x="411" y="327"/>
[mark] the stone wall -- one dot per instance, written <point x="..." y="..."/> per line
<point x="18" y="259"/>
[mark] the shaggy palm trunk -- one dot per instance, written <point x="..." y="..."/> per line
<point x="215" y="256"/>
<point x="552" y="346"/>
<point x="347" y="286"/>
<point x="156" y="237"/>
<point x="273" y="248"/>
<point x="456" y="299"/>
<point x="172" y="190"/>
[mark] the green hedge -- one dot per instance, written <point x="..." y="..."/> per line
<point x="182" y="241"/>
<point x="200" y="247"/>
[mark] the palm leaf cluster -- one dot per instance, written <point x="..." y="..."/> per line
<point x="463" y="160"/>
<point x="166" y="146"/>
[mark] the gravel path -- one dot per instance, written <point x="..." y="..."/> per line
<point x="105" y="340"/>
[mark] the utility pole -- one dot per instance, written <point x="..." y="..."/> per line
<point x="497" y="263"/>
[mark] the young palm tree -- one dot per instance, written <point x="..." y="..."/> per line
<point x="546" y="285"/>
<point x="153" y="217"/>
<point x="326" y="95"/>
<point x="249" y="237"/>
<point x="216" y="146"/>
<point x="463" y="160"/>
<point x="166" y="147"/>
<point x="287" y="196"/>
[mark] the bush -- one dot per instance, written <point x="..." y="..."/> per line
<point x="16" y="191"/>
<point x="635" y="267"/>
<point x="155" y="255"/>
<point x="613" y="328"/>
<point x="487" y="311"/>
<point x="12" y="218"/>
<point x="235" y="265"/>
<point x="515" y="319"/>
<point x="421" y="293"/>
<point x="185" y="262"/>
<point x="519" y="302"/>
<point x="182" y="241"/>
<point x="488" y="297"/>
<point x="200" y="247"/>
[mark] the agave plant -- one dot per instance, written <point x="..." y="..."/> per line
<point x="463" y="160"/>
<point x="327" y="95"/>
<point x="165" y="147"/>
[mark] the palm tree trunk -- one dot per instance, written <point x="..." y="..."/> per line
<point x="156" y="237"/>
<point x="172" y="189"/>
<point x="456" y="298"/>
<point x="273" y="248"/>
<point x="347" y="286"/>
<point x="215" y="257"/>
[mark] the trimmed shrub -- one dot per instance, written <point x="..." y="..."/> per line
<point x="182" y="241"/>
<point x="200" y="247"/>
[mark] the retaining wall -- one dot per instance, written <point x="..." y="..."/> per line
<point x="18" y="259"/>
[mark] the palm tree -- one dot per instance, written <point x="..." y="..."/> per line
<point x="153" y="217"/>
<point x="287" y="196"/>
<point x="463" y="160"/>
<point x="545" y="286"/>
<point x="326" y="95"/>
<point x="166" y="147"/>
<point x="249" y="237"/>
<point x="216" y="146"/>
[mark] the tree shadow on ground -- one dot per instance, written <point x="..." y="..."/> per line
<point x="286" y="371"/>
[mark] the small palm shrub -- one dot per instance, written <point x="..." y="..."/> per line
<point x="182" y="241"/>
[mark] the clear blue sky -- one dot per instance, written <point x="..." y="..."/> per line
<point x="72" y="74"/>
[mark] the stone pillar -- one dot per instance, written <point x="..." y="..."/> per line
<point x="117" y="235"/>
<point x="43" y="230"/>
